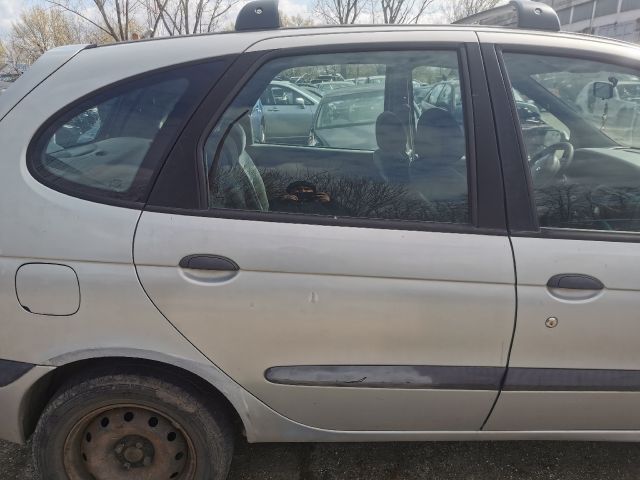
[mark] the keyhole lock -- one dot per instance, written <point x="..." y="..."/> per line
<point x="551" y="322"/>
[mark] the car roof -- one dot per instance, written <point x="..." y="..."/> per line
<point x="285" y="83"/>
<point x="240" y="41"/>
<point x="346" y="92"/>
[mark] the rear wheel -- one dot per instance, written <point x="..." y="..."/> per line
<point x="126" y="426"/>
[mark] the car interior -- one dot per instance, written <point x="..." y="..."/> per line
<point x="104" y="146"/>
<point x="585" y="170"/>
<point x="416" y="169"/>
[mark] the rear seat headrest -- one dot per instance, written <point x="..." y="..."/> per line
<point x="391" y="135"/>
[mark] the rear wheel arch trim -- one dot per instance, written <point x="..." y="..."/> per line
<point x="214" y="383"/>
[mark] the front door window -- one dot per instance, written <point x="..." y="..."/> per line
<point x="581" y="127"/>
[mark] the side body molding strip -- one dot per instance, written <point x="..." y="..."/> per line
<point x="389" y="376"/>
<point x="456" y="378"/>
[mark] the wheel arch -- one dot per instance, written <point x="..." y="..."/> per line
<point x="41" y="392"/>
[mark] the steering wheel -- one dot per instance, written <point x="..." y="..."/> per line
<point x="546" y="166"/>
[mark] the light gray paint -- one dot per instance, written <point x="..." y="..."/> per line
<point x="37" y="73"/>
<point x="47" y="289"/>
<point x="321" y="295"/>
<point x="521" y="411"/>
<point x="596" y="330"/>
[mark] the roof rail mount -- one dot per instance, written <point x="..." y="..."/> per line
<point x="258" y="15"/>
<point x="536" y="16"/>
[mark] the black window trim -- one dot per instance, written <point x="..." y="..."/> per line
<point x="515" y="207"/>
<point x="158" y="148"/>
<point x="248" y="64"/>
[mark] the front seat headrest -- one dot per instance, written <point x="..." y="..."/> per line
<point x="439" y="139"/>
<point x="239" y="136"/>
<point x="391" y="135"/>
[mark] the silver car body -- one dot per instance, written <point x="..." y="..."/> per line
<point x="306" y="294"/>
<point x="288" y="121"/>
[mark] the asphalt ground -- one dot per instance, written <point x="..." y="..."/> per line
<point x="410" y="461"/>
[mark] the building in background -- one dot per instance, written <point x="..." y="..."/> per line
<point x="618" y="19"/>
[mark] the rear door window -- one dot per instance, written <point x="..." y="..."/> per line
<point x="369" y="151"/>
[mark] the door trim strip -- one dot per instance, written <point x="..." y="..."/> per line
<point x="431" y="377"/>
<point x="572" y="379"/>
<point x="389" y="376"/>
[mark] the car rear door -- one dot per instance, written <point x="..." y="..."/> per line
<point x="574" y="362"/>
<point x="357" y="304"/>
<point x="285" y="120"/>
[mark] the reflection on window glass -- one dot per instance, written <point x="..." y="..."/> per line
<point x="582" y="12"/>
<point x="565" y="15"/>
<point x="581" y="127"/>
<point x="606" y="7"/>
<point x="350" y="107"/>
<point x="328" y="135"/>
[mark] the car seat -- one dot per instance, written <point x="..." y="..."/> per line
<point x="438" y="171"/>
<point x="391" y="158"/>
<point x="237" y="182"/>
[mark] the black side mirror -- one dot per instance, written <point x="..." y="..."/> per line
<point x="603" y="90"/>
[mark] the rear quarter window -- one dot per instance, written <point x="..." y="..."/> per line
<point x="109" y="145"/>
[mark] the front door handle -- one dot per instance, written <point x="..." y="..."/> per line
<point x="209" y="262"/>
<point x="575" y="281"/>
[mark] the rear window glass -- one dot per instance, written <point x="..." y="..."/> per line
<point x="110" y="145"/>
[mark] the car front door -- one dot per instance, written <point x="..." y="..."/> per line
<point x="340" y="299"/>
<point x="574" y="363"/>
<point x="288" y="116"/>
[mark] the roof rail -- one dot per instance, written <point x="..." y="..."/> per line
<point x="258" y="15"/>
<point x="536" y="15"/>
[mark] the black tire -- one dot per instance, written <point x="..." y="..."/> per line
<point x="158" y="407"/>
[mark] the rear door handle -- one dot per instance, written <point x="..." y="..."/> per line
<point x="209" y="262"/>
<point x="575" y="281"/>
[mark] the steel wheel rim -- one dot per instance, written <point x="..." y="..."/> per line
<point x="128" y="441"/>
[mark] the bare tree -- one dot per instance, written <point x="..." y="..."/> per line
<point x="3" y="55"/>
<point x="38" y="30"/>
<point x="341" y="12"/>
<point x="458" y="9"/>
<point x="116" y="19"/>
<point x="186" y="17"/>
<point x="403" y="11"/>
<point x="295" y="20"/>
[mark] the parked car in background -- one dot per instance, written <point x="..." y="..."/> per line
<point x="368" y="80"/>
<point x="616" y="112"/>
<point x="420" y="92"/>
<point x="337" y="85"/>
<point x="445" y="95"/>
<point x="346" y="118"/>
<point x="285" y="113"/>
